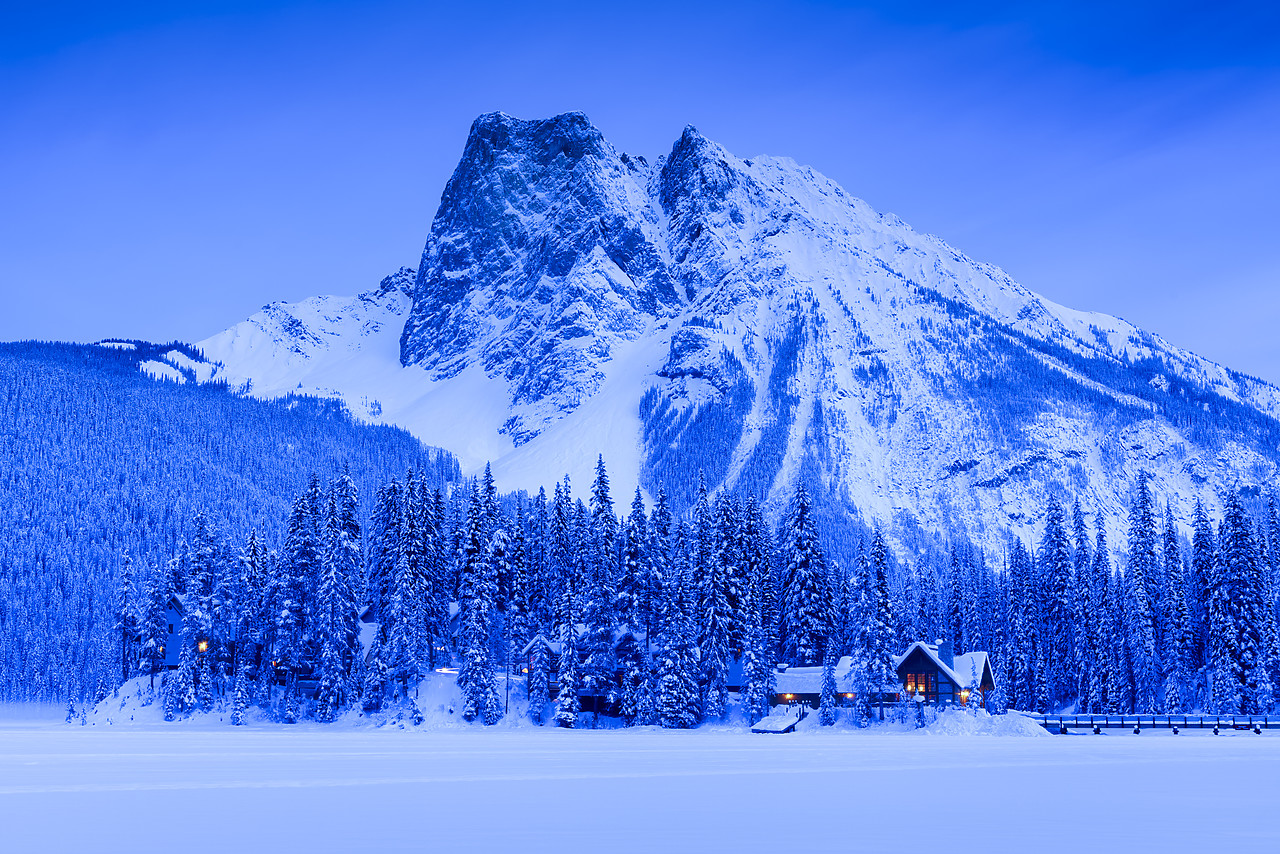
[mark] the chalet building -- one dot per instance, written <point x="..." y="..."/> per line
<point x="926" y="669"/>
<point x="173" y="610"/>
<point x="940" y="676"/>
<point x="804" y="684"/>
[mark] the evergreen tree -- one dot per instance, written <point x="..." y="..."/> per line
<point x="155" y="629"/>
<point x="1203" y="551"/>
<point x="805" y="598"/>
<point x="476" y="675"/>
<point x="1177" y="622"/>
<point x="1100" y="673"/>
<point x="539" y="672"/>
<point x="828" y="698"/>
<point x="634" y="604"/>
<point x="567" y="705"/>
<point x="1056" y="568"/>
<point x="1141" y="635"/>
<point x="126" y="619"/>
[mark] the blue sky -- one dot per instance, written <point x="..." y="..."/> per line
<point x="168" y="168"/>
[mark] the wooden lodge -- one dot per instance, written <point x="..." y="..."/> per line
<point x="941" y="677"/>
<point x="927" y="670"/>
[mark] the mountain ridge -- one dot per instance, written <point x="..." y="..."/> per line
<point x="752" y="319"/>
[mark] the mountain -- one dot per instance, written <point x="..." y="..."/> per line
<point x="752" y="320"/>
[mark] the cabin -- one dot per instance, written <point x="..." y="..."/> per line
<point x="173" y="610"/>
<point x="804" y="684"/>
<point x="933" y="672"/>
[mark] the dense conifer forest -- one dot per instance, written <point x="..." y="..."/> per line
<point x="645" y="609"/>
<point x="102" y="467"/>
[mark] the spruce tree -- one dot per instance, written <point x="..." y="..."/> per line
<point x="1140" y="618"/>
<point x="805" y="597"/>
<point x="828" y="698"/>
<point x="476" y="675"/>
<point x="1056" y="568"/>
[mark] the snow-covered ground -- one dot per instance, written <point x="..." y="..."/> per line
<point x="208" y="787"/>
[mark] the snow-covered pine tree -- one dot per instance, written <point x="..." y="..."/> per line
<point x="384" y="546"/>
<point x="1141" y="567"/>
<point x="599" y="664"/>
<point x="335" y="610"/>
<point x="301" y="567"/>
<point x="155" y="629"/>
<point x="1120" y="688"/>
<point x="1203" y="551"/>
<point x="928" y="622"/>
<point x="126" y="618"/>
<point x="658" y="580"/>
<point x="395" y="653"/>
<point x="476" y="676"/>
<point x="603" y="521"/>
<point x="634" y="598"/>
<point x="957" y="569"/>
<point x="539" y="679"/>
<point x="880" y="643"/>
<point x="677" y="684"/>
<point x="805" y="617"/>
<point x="715" y="622"/>
<point x="757" y="671"/>
<point x="1023" y="619"/>
<point x="249" y="621"/>
<point x="828" y="699"/>
<point x="519" y="627"/>
<point x="567" y="705"/>
<point x="1083" y="610"/>
<point x="1177" y="622"/>
<point x="758" y="655"/>
<point x="1240" y="682"/>
<point x="1056" y="567"/>
<point x="542" y="583"/>
<point x="203" y="568"/>
<point x="1100" y="624"/>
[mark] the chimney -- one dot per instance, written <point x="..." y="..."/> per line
<point x="945" y="653"/>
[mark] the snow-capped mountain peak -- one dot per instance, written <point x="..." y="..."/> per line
<point x="749" y="318"/>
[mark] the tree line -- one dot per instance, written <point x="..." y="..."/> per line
<point x="649" y="609"/>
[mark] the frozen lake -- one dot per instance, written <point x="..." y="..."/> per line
<point x="136" y="789"/>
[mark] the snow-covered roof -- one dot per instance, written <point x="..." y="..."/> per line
<point x="960" y="671"/>
<point x="554" y="646"/>
<point x="808" y="680"/>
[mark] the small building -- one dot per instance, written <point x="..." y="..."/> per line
<point x="934" y="672"/>
<point x="173" y="611"/>
<point x="804" y="684"/>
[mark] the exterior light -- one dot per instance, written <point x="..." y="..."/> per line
<point x="202" y="646"/>
<point x="848" y="696"/>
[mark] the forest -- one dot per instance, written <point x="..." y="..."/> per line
<point x="98" y="461"/>
<point x="647" y="609"/>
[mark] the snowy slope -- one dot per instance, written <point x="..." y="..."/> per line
<point x="750" y="319"/>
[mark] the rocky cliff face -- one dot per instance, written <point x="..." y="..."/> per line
<point x="749" y="319"/>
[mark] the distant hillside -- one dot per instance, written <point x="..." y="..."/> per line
<point x="97" y="458"/>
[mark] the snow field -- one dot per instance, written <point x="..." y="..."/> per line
<point x="312" y="788"/>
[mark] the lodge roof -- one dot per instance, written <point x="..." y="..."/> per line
<point x="960" y="671"/>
